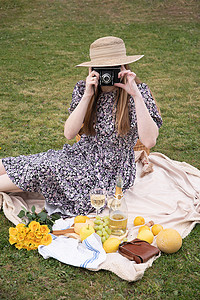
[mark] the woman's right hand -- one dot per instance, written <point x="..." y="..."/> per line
<point x="92" y="82"/>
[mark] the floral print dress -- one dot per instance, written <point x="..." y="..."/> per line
<point x="65" y="177"/>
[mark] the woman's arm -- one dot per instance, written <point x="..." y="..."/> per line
<point x="147" y="128"/>
<point x="76" y="118"/>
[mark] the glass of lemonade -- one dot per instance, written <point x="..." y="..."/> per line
<point x="98" y="198"/>
<point x="118" y="216"/>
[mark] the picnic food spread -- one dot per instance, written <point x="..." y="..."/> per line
<point x="168" y="240"/>
<point x="112" y="229"/>
<point x="99" y="225"/>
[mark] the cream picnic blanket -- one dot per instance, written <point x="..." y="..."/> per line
<point x="170" y="196"/>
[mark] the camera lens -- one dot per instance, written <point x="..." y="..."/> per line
<point x="106" y="78"/>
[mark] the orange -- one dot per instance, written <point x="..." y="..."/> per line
<point x="156" y="229"/>
<point x="80" y="219"/>
<point x="144" y="227"/>
<point x="146" y="235"/>
<point x="139" y="221"/>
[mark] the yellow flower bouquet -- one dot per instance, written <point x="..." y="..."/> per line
<point x="29" y="237"/>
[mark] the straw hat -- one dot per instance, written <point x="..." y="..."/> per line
<point x="109" y="51"/>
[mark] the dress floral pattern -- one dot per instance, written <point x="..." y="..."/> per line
<point x="65" y="177"/>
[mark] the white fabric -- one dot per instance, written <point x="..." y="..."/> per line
<point x="61" y="224"/>
<point x="88" y="254"/>
<point x="12" y="204"/>
<point x="170" y="196"/>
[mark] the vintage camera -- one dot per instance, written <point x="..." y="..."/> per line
<point x="108" y="75"/>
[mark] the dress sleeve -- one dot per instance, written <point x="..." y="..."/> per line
<point x="150" y="104"/>
<point x="77" y="95"/>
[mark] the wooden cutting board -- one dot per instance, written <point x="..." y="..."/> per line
<point x="67" y="232"/>
<point x="71" y="233"/>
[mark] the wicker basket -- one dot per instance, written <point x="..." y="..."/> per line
<point x="138" y="147"/>
<point x="78" y="137"/>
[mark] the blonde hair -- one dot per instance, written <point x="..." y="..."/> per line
<point x="122" y="122"/>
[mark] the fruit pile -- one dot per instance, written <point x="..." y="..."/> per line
<point x="99" y="225"/>
<point x="168" y="240"/>
<point x="144" y="232"/>
<point x="84" y="227"/>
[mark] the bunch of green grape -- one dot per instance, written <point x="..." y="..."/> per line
<point x="101" y="227"/>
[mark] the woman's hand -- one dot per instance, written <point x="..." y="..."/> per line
<point x="92" y="82"/>
<point x="130" y="85"/>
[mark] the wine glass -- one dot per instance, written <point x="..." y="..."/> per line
<point x="98" y="198"/>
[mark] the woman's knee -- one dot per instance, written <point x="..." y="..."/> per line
<point x="6" y="185"/>
<point x="2" y="169"/>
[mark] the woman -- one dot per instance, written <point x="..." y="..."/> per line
<point x="113" y="118"/>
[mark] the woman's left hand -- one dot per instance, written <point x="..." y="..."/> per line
<point x="130" y="85"/>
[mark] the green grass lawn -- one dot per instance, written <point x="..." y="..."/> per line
<point x="41" y="41"/>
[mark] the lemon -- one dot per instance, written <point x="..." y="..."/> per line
<point x="146" y="235"/>
<point x="144" y="227"/>
<point x="80" y="219"/>
<point x="139" y="221"/>
<point x="111" y="245"/>
<point x="156" y="229"/>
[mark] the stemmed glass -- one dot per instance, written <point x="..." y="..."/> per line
<point x="98" y="198"/>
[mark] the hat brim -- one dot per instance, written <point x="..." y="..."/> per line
<point x="111" y="62"/>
